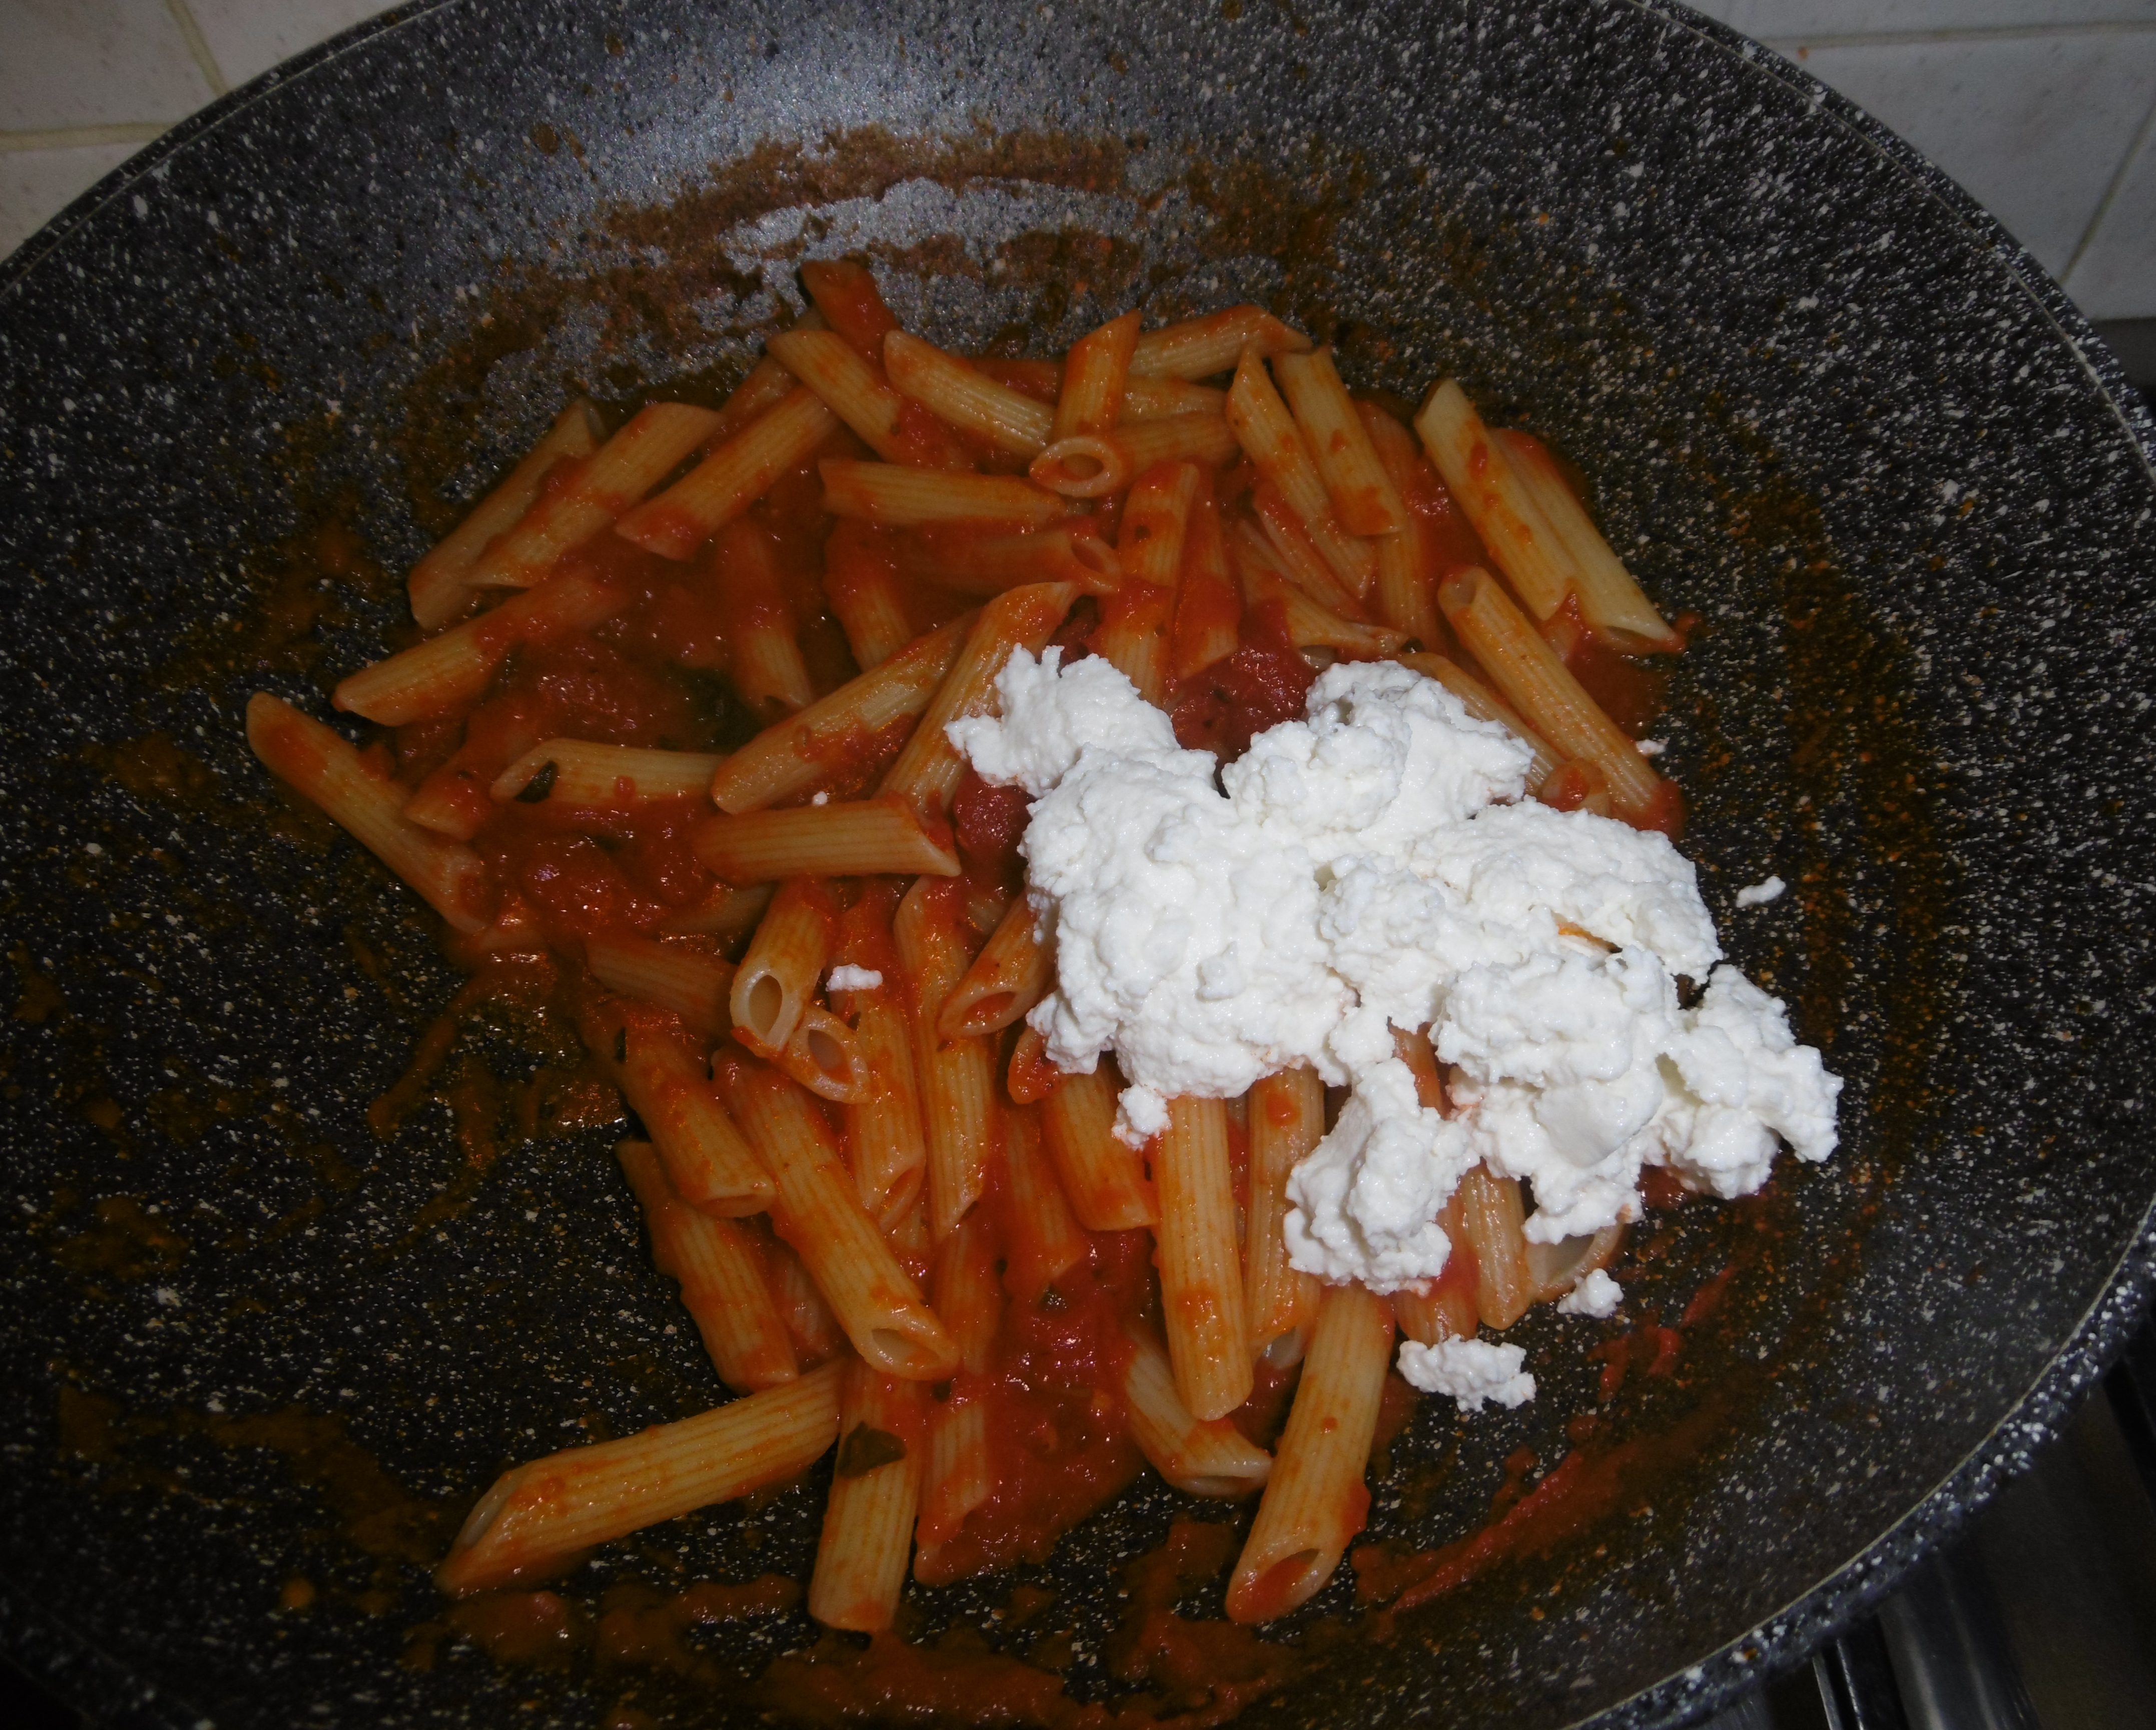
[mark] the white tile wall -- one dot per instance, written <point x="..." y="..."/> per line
<point x="2041" y="108"/>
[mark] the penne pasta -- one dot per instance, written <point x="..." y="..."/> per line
<point x="1275" y="445"/>
<point x="1509" y="519"/>
<point x="447" y="671"/>
<point x="787" y="759"/>
<point x="1363" y="496"/>
<point x="726" y="914"/>
<point x="1286" y="1119"/>
<point x="816" y="1335"/>
<point x="785" y="958"/>
<point x="326" y="769"/>
<point x="956" y="1077"/>
<point x="1105" y="1180"/>
<point x="1083" y="465"/>
<point x="1094" y="374"/>
<point x="684" y="982"/>
<point x="731" y="479"/>
<point x="624" y="469"/>
<point x="960" y="1476"/>
<point x="1201" y="1263"/>
<point x="764" y="649"/>
<point x="572" y="773"/>
<point x="648" y="1054"/>
<point x="969" y="1295"/>
<point x="1611" y="601"/>
<point x="965" y="398"/>
<point x="439" y="587"/>
<point x="454" y="800"/>
<point x="862" y="838"/>
<point x="876" y="1491"/>
<point x="539" y="1517"/>
<point x="1312" y="626"/>
<point x="1208" y="604"/>
<point x="977" y="564"/>
<point x="1202" y="436"/>
<point x="1156" y="398"/>
<point x="861" y="580"/>
<point x="1491" y="1214"/>
<point x="1200" y="347"/>
<point x="1290" y="553"/>
<point x="1044" y="1240"/>
<point x="1136" y="620"/>
<point x="927" y="772"/>
<point x="1212" y="1459"/>
<point x="892" y="497"/>
<point x="1408" y="576"/>
<point x="721" y="1275"/>
<point x="1316" y="1500"/>
<point x="1554" y="1269"/>
<point x="848" y="300"/>
<point x="1529" y="676"/>
<point x="850" y="387"/>
<point x="815" y="1210"/>
<point x="1010" y="975"/>
<point x="884" y="1136"/>
<point x="824" y="1055"/>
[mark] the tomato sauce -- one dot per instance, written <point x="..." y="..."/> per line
<point x="1262" y="683"/>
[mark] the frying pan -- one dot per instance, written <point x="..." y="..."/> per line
<point x="257" y="1360"/>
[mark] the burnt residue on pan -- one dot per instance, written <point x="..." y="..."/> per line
<point x="256" y="1355"/>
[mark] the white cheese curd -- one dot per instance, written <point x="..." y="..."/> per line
<point x="1597" y="1295"/>
<point x="1758" y="895"/>
<point x="843" y="977"/>
<point x="1370" y="867"/>
<point x="1470" y="1370"/>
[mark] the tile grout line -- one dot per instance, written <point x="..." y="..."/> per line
<point x="1785" y="43"/>
<point x="2111" y="191"/>
<point x="198" y="46"/>
<point x="81" y="137"/>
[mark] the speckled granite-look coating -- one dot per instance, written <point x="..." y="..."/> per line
<point x="1823" y="402"/>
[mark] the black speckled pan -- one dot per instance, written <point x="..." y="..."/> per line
<point x="1823" y="402"/>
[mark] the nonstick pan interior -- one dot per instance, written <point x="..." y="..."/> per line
<point x="256" y="1361"/>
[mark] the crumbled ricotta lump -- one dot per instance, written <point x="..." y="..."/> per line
<point x="1758" y="895"/>
<point x="1372" y="866"/>
<point x="1470" y="1370"/>
<point x="1597" y="1295"/>
<point x="843" y="977"/>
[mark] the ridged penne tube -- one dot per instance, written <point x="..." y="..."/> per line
<point x="1082" y="465"/>
<point x="1554" y="1269"/>
<point x="454" y="799"/>
<point x="1200" y="347"/>
<point x="817" y="1212"/>
<point x="816" y="1335"/>
<point x="969" y="1293"/>
<point x="720" y="1272"/>
<point x="1213" y="1459"/>
<point x="893" y="496"/>
<point x="1480" y="474"/>
<point x="867" y="595"/>
<point x="1274" y="444"/>
<point x="1091" y="398"/>
<point x="1406" y="595"/>
<point x="326" y="768"/>
<point x="1311" y="626"/>
<point x="964" y="396"/>
<point x="447" y="671"/>
<point x="1364" y="497"/>
<point x="690" y="983"/>
<point x="862" y="838"/>
<point x="824" y="1055"/>
<point x="1156" y="398"/>
<point x="883" y="1128"/>
<point x="539" y="1516"/>
<point x="573" y="772"/>
<point x="1010" y="975"/>
<point x="786" y="957"/>
<point x="850" y="387"/>
<point x="1029" y="1077"/>
<point x="1485" y="704"/>
<point x="1316" y="1502"/>
<point x="1610" y="598"/>
<point x="1209" y="604"/>
<point x="707" y="1162"/>
<point x="1105" y="1180"/>
<point x="731" y="478"/>
<point x="725" y="914"/>
<point x="764" y="649"/>
<point x="928" y="771"/>
<point x="786" y="759"/>
<point x="622" y="470"/>
<point x="1293" y="554"/>
<point x="846" y="295"/>
<point x="956" y="1077"/>
<point x="1285" y="1119"/>
<point x="1491" y="1213"/>
<point x="1204" y="437"/>
<point x="1202" y="1312"/>
<point x="1529" y="676"/>
<point x="976" y="563"/>
<point x="438" y="586"/>
<point x="1135" y="620"/>
<point x="766" y="386"/>
<point x="1044" y="1240"/>
<point x="961" y="1474"/>
<point x="876" y="1491"/>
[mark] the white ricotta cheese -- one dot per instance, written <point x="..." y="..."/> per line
<point x="843" y="977"/>
<point x="1470" y="1370"/>
<point x="1758" y="895"/>
<point x="1597" y="1295"/>
<point x="1370" y="867"/>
